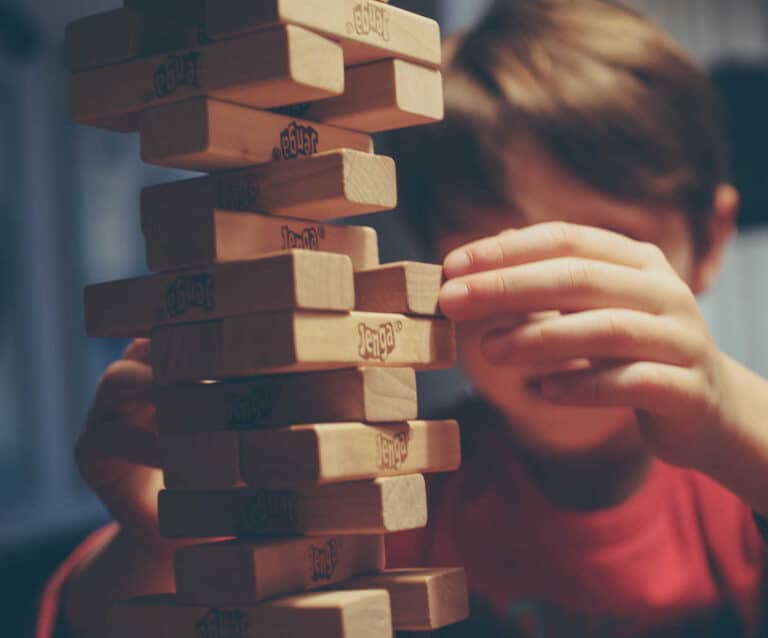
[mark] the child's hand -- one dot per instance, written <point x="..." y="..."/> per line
<point x="117" y="452"/>
<point x="621" y="306"/>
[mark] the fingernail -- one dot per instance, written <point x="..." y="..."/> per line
<point x="454" y="291"/>
<point x="457" y="263"/>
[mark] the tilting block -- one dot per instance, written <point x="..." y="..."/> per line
<point x="339" y="452"/>
<point x="245" y="573"/>
<point x="201" y="461"/>
<point x="352" y="614"/>
<point x="407" y="287"/>
<point x="368" y="31"/>
<point x="184" y="11"/>
<point x="371" y="395"/>
<point x="207" y="135"/>
<point x="120" y="35"/>
<point x="294" y="65"/>
<point x="178" y="238"/>
<point x="382" y="506"/>
<point x="383" y="96"/>
<point x="285" y="342"/>
<point x="286" y="280"/>
<point x="422" y="599"/>
<point x="327" y="186"/>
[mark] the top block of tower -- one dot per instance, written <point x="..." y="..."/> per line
<point x="367" y="30"/>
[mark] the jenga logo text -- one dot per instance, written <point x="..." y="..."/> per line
<point x="370" y="18"/>
<point x="242" y="194"/>
<point x="222" y="624"/>
<point x="324" y="560"/>
<point x="176" y="71"/>
<point x="251" y="408"/>
<point x="307" y="238"/>
<point x="378" y="343"/>
<point x="269" y="511"/>
<point x="190" y="292"/>
<point x="392" y="451"/>
<point x="297" y="140"/>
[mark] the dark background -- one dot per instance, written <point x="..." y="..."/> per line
<point x="69" y="216"/>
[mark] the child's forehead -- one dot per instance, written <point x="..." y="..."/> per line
<point x="536" y="189"/>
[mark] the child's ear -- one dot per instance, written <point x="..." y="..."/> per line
<point x="722" y="224"/>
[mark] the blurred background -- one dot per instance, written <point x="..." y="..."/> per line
<point x="69" y="216"/>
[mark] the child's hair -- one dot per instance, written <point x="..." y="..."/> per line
<point x="600" y="88"/>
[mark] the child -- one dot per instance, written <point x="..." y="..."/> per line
<point x="614" y="457"/>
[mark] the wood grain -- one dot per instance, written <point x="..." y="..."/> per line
<point x="383" y="96"/>
<point x="367" y="30"/>
<point x="326" y="186"/>
<point x="201" y="460"/>
<point x="353" y="614"/>
<point x="201" y="134"/>
<point x="247" y="572"/>
<point x="285" y="342"/>
<point x="305" y="455"/>
<point x="175" y="239"/>
<point x="407" y="287"/>
<point x="372" y="395"/>
<point x="294" y="66"/>
<point x="285" y="280"/>
<point x="339" y="452"/>
<point x="382" y="506"/>
<point x="422" y="599"/>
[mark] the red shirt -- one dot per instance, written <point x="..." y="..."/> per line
<point x="681" y="557"/>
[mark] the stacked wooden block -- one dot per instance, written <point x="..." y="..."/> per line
<point x="284" y="354"/>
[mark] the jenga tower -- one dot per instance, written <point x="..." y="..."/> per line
<point x="283" y="352"/>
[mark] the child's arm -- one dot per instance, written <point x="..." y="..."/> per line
<point x="619" y="300"/>
<point x="117" y="456"/>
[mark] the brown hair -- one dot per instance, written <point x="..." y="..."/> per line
<point x="615" y="101"/>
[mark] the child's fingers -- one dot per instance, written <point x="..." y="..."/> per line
<point x="120" y="441"/>
<point x="606" y="333"/>
<point x="655" y="387"/>
<point x="549" y="241"/>
<point x="138" y="350"/>
<point x="567" y="285"/>
<point x="123" y="382"/>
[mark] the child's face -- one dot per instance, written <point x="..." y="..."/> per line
<point x="543" y="192"/>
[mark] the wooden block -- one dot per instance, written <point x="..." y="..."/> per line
<point x="294" y="65"/>
<point x="368" y="31"/>
<point x="383" y="96"/>
<point x="201" y="460"/>
<point x="422" y="599"/>
<point x="176" y="239"/>
<point x="407" y="287"/>
<point x="209" y="135"/>
<point x="304" y="455"/>
<point x="285" y="342"/>
<point x="284" y="280"/>
<point x="371" y="395"/>
<point x="245" y="573"/>
<point x="339" y="452"/>
<point x="382" y="506"/>
<point x="185" y="11"/>
<point x="327" y="186"/>
<point x="120" y="35"/>
<point x="352" y="614"/>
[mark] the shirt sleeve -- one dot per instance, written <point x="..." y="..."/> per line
<point x="50" y="620"/>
